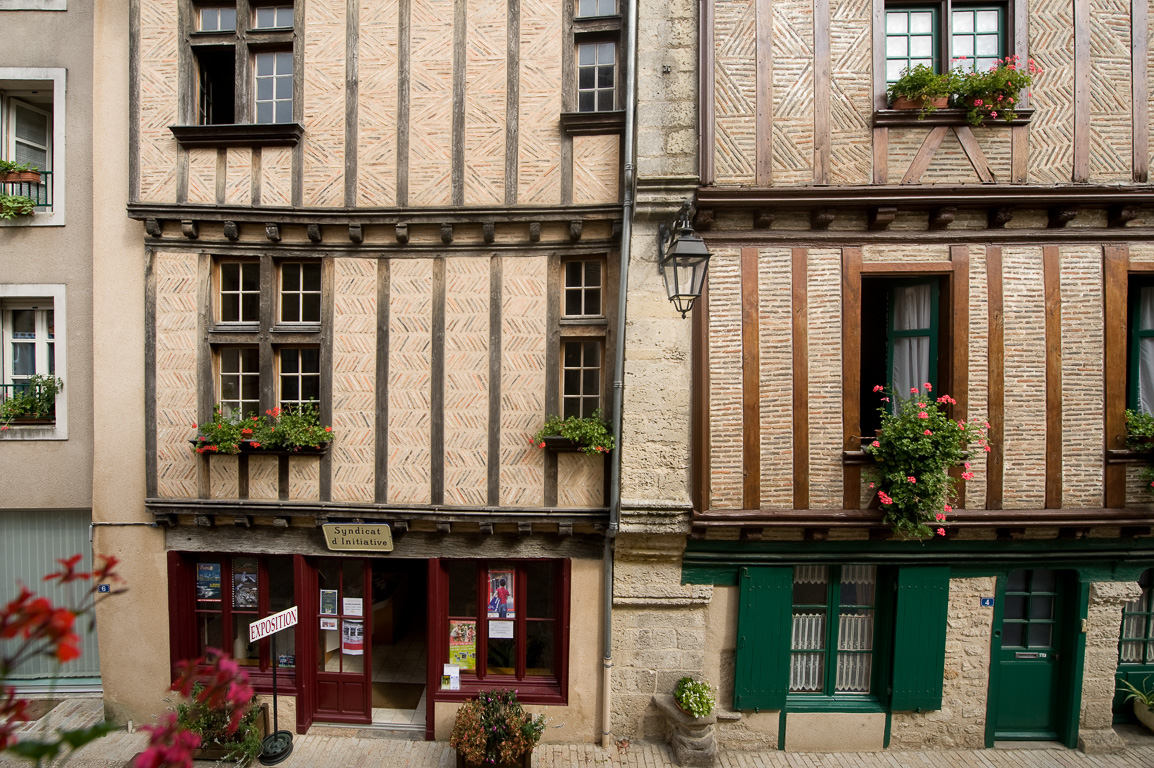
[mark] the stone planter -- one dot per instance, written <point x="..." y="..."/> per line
<point x="691" y="737"/>
<point x="1144" y="715"/>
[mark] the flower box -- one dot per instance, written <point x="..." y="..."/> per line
<point x="559" y="444"/>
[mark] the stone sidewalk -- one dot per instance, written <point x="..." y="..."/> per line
<point x="118" y="749"/>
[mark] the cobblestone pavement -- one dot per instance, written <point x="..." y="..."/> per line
<point x="118" y="749"/>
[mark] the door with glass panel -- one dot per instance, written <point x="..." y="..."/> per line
<point x="831" y="652"/>
<point x="343" y="663"/>
<point x="1030" y="647"/>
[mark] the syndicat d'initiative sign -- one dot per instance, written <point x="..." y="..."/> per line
<point x="362" y="537"/>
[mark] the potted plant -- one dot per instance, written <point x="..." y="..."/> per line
<point x="293" y="429"/>
<point x="494" y="730"/>
<point x="1143" y="699"/>
<point x="217" y="742"/>
<point x="12" y="206"/>
<point x="994" y="93"/>
<point x="32" y="401"/>
<point x="921" y="88"/>
<point x="589" y="434"/>
<point x="917" y="444"/>
<point x="691" y="722"/>
<point x="12" y="172"/>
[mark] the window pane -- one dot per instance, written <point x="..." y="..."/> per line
<point x="1041" y="607"/>
<point x="897" y="23"/>
<point x="1015" y="607"/>
<point x="245" y="586"/>
<point x="921" y="47"/>
<point x="963" y="21"/>
<point x="894" y="70"/>
<point x="502" y="655"/>
<point x="1017" y="581"/>
<point x="264" y="64"/>
<point x="209" y="631"/>
<point x="1012" y="635"/>
<point x="284" y="88"/>
<point x="897" y="47"/>
<point x="1040" y="635"/>
<point x="1043" y="580"/>
<point x="539" y="645"/>
<point x="290" y="307"/>
<point x="987" y="21"/>
<point x="462" y="588"/>
<point x="573" y="302"/>
<point x="23" y="359"/>
<point x="539" y="590"/>
<point x="921" y="23"/>
<point x="284" y="112"/>
<point x="264" y="88"/>
<point x="265" y="17"/>
<point x="593" y="301"/>
<point x="311" y="276"/>
<point x="311" y="308"/>
<point x="964" y="46"/>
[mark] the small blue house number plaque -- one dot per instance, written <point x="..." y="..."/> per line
<point x="987" y="602"/>
<point x="103" y="588"/>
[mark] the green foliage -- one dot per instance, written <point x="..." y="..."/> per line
<point x="694" y="696"/>
<point x="922" y="83"/>
<point x="12" y="206"/>
<point x="284" y="429"/>
<point x="994" y="93"/>
<point x="1144" y="694"/>
<point x="917" y="444"/>
<point x="35" y="399"/>
<point x="44" y="752"/>
<point x="495" y="728"/>
<point x="11" y="166"/>
<point x="1140" y="437"/>
<point x="211" y="724"/>
<point x="591" y="432"/>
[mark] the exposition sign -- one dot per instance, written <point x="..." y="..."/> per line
<point x="271" y="624"/>
<point x="371" y="537"/>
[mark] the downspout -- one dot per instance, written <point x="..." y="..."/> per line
<point x="628" y="183"/>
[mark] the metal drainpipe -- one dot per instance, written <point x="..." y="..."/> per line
<point x="629" y="181"/>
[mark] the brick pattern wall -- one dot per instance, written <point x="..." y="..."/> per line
<point x="523" y="340"/>
<point x="735" y="88"/>
<point x="354" y="367"/>
<point x="262" y="477"/>
<point x="725" y="378"/>
<point x="304" y="478"/>
<point x="978" y="389"/>
<point x="431" y="102"/>
<point x="486" y="91"/>
<point x="202" y="175"/>
<point x="222" y="477"/>
<point x="1083" y="350"/>
<point x="961" y="722"/>
<point x="1110" y="92"/>
<point x="851" y="95"/>
<point x="324" y="103"/>
<point x="904" y="253"/>
<point x="158" y="100"/>
<point x="238" y="181"/>
<point x="176" y="345"/>
<point x="596" y="160"/>
<point x="825" y="396"/>
<point x="410" y="360"/>
<point x="275" y="176"/>
<point x="1025" y="366"/>
<point x="580" y="480"/>
<point x="539" y="133"/>
<point x="1052" y="47"/>
<point x="466" y="380"/>
<point x="377" y="103"/>
<point x="793" y="92"/>
<point x="950" y="165"/>
<point x="775" y="275"/>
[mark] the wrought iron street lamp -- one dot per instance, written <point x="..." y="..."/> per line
<point x="683" y="259"/>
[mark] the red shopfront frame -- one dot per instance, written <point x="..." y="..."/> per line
<point x="531" y="689"/>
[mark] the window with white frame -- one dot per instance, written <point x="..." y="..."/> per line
<point x="31" y="135"/>
<point x="32" y="362"/>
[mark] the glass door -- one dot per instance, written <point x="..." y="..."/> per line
<point x="343" y="663"/>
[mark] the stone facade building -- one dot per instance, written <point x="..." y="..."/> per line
<point x="748" y="551"/>
<point x="408" y="212"/>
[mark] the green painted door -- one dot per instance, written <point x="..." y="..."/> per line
<point x="1029" y="697"/>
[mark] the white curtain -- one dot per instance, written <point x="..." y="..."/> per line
<point x="856" y="632"/>
<point x="1146" y="351"/>
<point x="911" y="363"/>
<point x="1134" y="626"/>
<point x="806" y="668"/>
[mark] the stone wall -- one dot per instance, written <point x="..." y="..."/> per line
<point x="961" y="722"/>
<point x="1102" y="629"/>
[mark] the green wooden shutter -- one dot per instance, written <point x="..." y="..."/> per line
<point x="920" y="637"/>
<point x="764" y="619"/>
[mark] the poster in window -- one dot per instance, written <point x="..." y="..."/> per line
<point x="244" y="590"/>
<point x="352" y="606"/>
<point x="328" y="623"/>
<point x="328" y="602"/>
<point x="463" y="644"/>
<point x="208" y="582"/>
<point x="500" y="594"/>
<point x="353" y="637"/>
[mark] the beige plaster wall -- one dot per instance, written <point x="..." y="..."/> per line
<point x="580" y="719"/>
<point x="58" y="255"/>
<point x="834" y="731"/>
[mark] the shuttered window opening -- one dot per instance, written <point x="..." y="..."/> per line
<point x="1137" y="640"/>
<point x="822" y="636"/>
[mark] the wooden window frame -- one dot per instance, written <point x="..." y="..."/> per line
<point x="300" y="293"/>
<point x="300" y="375"/>
<point x="943" y="35"/>
<point x="552" y="690"/>
<point x="183" y="615"/>
<point x="592" y="29"/>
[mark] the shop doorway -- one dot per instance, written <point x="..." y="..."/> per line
<point x="1032" y="655"/>
<point x="399" y="647"/>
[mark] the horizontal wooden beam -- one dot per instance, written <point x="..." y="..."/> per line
<point x="959" y="518"/>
